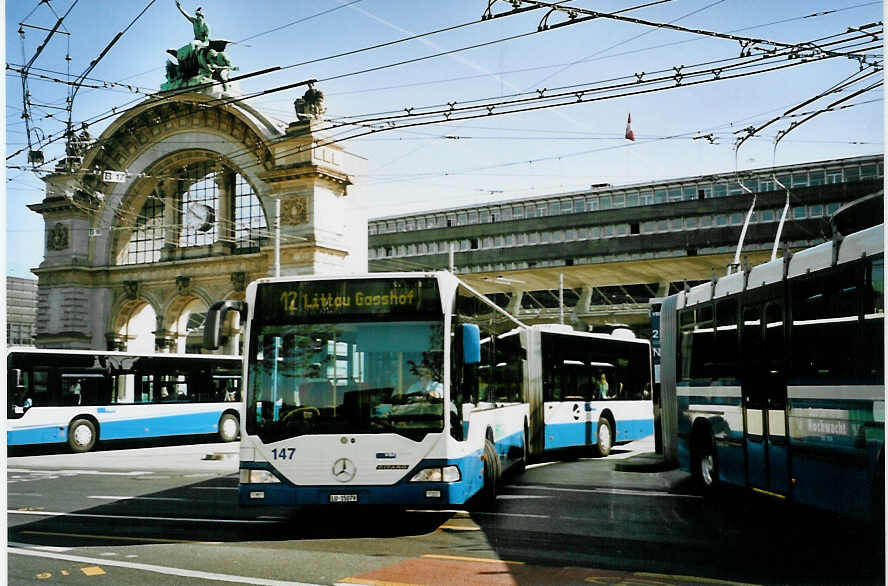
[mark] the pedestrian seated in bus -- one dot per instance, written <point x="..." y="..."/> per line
<point x="603" y="387"/>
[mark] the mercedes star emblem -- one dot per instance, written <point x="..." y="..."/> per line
<point x="344" y="469"/>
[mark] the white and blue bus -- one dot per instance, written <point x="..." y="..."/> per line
<point x="80" y="397"/>
<point x="408" y="389"/>
<point x="595" y="388"/>
<point x="778" y="376"/>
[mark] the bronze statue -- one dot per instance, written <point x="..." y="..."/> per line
<point x="201" y="61"/>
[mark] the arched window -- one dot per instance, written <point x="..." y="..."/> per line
<point x="203" y="204"/>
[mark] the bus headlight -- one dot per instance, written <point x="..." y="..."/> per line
<point x="257" y="477"/>
<point x="439" y="474"/>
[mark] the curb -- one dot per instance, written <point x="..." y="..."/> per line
<point x="649" y="462"/>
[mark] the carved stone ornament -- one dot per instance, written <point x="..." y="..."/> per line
<point x="57" y="238"/>
<point x="131" y="289"/>
<point x="183" y="285"/>
<point x="239" y="280"/>
<point x="294" y="211"/>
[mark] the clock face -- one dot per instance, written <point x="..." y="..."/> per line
<point x="199" y="216"/>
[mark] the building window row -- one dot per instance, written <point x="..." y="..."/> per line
<point x="597" y="232"/>
<point x="20" y="334"/>
<point x="621" y="198"/>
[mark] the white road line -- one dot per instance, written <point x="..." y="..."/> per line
<point x="158" y="569"/>
<point x="40" y="547"/>
<point x="140" y="518"/>
<point x="140" y="498"/>
<point x="23" y="494"/>
<point x="540" y="465"/>
<point x="76" y="472"/>
<point x="625" y="491"/>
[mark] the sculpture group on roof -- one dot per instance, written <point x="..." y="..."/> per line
<point x="201" y="61"/>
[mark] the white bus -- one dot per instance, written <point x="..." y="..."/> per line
<point x="596" y="388"/>
<point x="776" y="375"/>
<point x="393" y="388"/>
<point x="80" y="397"/>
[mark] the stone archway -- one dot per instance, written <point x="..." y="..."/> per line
<point x="178" y="222"/>
<point x="133" y="329"/>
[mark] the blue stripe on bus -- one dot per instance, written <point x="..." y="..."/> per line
<point x="37" y="435"/>
<point x="582" y="433"/>
<point x="190" y="423"/>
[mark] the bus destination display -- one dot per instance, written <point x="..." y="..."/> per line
<point x="310" y="299"/>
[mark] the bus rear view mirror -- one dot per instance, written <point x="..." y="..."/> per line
<point x="216" y="315"/>
<point x="471" y="344"/>
<point x="14" y="379"/>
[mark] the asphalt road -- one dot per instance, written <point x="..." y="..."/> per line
<point x="168" y="515"/>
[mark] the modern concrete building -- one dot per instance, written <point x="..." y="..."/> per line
<point x="21" y="311"/>
<point x="615" y="247"/>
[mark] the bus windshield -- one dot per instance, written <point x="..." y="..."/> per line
<point x="345" y="370"/>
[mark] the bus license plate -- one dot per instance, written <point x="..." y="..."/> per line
<point x="343" y="498"/>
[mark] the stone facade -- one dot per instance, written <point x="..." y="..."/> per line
<point x="100" y="268"/>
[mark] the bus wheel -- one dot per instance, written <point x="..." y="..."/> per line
<point x="488" y="491"/>
<point x="81" y="435"/>
<point x="705" y="464"/>
<point x="229" y="427"/>
<point x="605" y="437"/>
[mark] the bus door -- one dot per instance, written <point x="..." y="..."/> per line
<point x="764" y="397"/>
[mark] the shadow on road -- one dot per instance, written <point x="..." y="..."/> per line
<point x="160" y="517"/>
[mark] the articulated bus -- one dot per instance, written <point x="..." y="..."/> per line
<point x="80" y="397"/>
<point x="410" y="389"/>
<point x="778" y="376"/>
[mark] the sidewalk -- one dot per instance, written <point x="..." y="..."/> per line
<point x="221" y="458"/>
<point x="641" y="457"/>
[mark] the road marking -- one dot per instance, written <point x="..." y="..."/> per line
<point x="514" y="497"/>
<point x="623" y="491"/>
<point x="140" y="518"/>
<point x="520" y="515"/>
<point x="77" y="472"/>
<point x="458" y="558"/>
<point x="540" y="465"/>
<point x="366" y="582"/>
<point x="141" y="498"/>
<point x="693" y="579"/>
<point x="35" y="494"/>
<point x="213" y="487"/>
<point x="119" y="538"/>
<point x="459" y="527"/>
<point x="92" y="571"/>
<point x="160" y="569"/>
<point x="43" y="547"/>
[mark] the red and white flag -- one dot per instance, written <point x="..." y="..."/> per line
<point x="629" y="134"/>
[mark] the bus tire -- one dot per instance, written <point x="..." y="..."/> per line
<point x="705" y="463"/>
<point x="488" y="491"/>
<point x="229" y="427"/>
<point x="605" y="437"/>
<point x="82" y="435"/>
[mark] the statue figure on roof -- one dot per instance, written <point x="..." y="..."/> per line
<point x="310" y="105"/>
<point x="201" y="61"/>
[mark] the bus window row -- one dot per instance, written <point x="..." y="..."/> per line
<point x="832" y="322"/>
<point x="47" y="387"/>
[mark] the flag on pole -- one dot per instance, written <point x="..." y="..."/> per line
<point x="629" y="134"/>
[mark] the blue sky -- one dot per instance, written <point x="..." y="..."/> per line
<point x="494" y="158"/>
